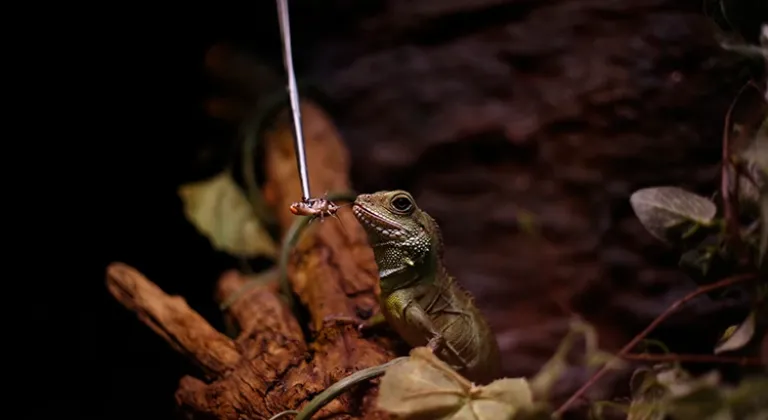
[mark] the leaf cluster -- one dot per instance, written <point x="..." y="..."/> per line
<point x="669" y="392"/>
<point x="695" y="226"/>
<point x="424" y="387"/>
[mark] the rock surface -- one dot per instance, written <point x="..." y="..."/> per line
<point x="523" y="127"/>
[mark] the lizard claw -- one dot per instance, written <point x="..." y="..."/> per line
<point x="438" y="343"/>
<point x="435" y="343"/>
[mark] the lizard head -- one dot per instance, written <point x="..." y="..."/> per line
<point x="400" y="233"/>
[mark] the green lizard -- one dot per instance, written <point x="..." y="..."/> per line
<point x="419" y="299"/>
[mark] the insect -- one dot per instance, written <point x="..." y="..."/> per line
<point x="315" y="207"/>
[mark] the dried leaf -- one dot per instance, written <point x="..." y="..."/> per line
<point x="737" y="336"/>
<point x="219" y="210"/>
<point x="662" y="208"/>
<point x="424" y="387"/>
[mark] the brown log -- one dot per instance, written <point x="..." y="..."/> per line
<point x="171" y="318"/>
<point x="270" y="367"/>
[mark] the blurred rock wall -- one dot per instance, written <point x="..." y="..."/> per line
<point x="523" y="127"/>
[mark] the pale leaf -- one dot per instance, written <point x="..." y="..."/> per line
<point x="662" y="208"/>
<point x="512" y="391"/>
<point x="424" y="387"/>
<point x="738" y="337"/>
<point x="219" y="210"/>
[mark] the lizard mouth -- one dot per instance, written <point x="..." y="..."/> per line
<point x="377" y="223"/>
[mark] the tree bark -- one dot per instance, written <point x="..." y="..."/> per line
<point x="270" y="366"/>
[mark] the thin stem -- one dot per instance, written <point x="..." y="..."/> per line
<point x="339" y="388"/>
<point x="652" y="326"/>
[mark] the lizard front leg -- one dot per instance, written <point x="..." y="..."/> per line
<point x="414" y="315"/>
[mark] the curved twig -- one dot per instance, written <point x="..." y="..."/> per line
<point x="338" y="388"/>
<point x="652" y="326"/>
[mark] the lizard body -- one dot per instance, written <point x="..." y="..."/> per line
<point x="419" y="298"/>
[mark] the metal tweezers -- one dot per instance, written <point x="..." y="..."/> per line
<point x="293" y="93"/>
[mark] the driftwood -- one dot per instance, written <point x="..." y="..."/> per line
<point x="270" y="367"/>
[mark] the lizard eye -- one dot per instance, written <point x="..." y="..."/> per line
<point x="402" y="203"/>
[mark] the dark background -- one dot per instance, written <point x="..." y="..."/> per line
<point x="157" y="131"/>
<point x="560" y="109"/>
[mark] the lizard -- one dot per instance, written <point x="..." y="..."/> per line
<point x="419" y="299"/>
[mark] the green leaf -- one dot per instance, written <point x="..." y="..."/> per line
<point x="424" y="387"/>
<point x="663" y="393"/>
<point x="219" y="210"/>
<point x="737" y="336"/>
<point x="662" y="208"/>
<point x="646" y="391"/>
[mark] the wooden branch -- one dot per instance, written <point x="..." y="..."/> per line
<point x="332" y="269"/>
<point x="171" y="318"/>
<point x="270" y="367"/>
